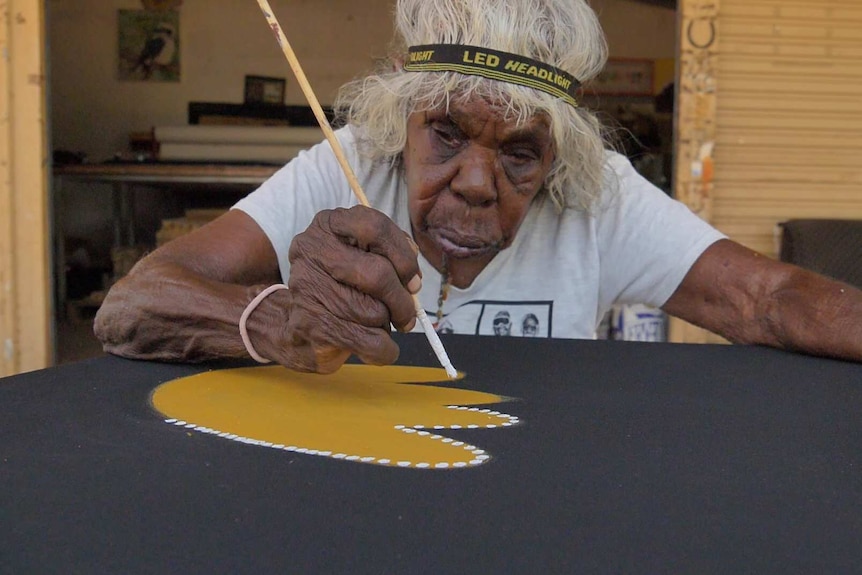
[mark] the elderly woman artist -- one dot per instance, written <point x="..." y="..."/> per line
<point x="493" y="188"/>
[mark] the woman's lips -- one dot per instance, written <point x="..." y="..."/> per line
<point x="457" y="246"/>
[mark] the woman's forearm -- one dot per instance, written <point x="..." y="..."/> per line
<point x="749" y="298"/>
<point x="817" y="315"/>
<point x="162" y="311"/>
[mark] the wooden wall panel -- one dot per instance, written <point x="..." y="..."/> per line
<point x="788" y="116"/>
<point x="25" y="331"/>
<point x="695" y="136"/>
<point x="7" y="294"/>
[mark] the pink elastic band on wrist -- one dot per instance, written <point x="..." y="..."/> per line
<point x="243" y="332"/>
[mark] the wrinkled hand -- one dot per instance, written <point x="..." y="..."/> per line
<point x="352" y="274"/>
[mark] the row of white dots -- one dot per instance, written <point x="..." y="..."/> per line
<point x="478" y="456"/>
<point x="485" y="411"/>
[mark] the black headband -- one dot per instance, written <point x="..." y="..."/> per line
<point x="495" y="65"/>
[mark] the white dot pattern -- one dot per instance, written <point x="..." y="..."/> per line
<point x="473" y="456"/>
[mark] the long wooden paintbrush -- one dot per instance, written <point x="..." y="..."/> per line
<point x="432" y="336"/>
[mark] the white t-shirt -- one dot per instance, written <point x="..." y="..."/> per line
<point x="557" y="279"/>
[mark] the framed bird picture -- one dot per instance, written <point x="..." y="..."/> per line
<point x="149" y="45"/>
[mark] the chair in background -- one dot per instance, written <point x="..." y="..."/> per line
<point x="832" y="247"/>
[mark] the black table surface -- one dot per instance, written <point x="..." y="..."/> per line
<point x="630" y="458"/>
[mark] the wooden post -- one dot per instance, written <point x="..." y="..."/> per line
<point x="695" y="121"/>
<point x="7" y="301"/>
<point x="25" y="301"/>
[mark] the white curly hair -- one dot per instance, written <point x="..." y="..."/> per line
<point x="563" y="33"/>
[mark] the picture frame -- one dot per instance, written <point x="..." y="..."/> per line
<point x="148" y="45"/>
<point x="625" y="77"/>
<point x="262" y="90"/>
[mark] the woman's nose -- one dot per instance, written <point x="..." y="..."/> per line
<point x="475" y="180"/>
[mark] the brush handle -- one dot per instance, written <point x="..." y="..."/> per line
<point x="313" y="101"/>
<point x="432" y="336"/>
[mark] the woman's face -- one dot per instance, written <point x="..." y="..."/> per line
<point x="471" y="177"/>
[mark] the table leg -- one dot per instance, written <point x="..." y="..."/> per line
<point x="129" y="194"/>
<point x="58" y="243"/>
<point x="124" y="215"/>
<point x="117" y="200"/>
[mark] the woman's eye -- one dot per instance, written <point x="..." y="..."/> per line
<point x="446" y="135"/>
<point x="522" y="155"/>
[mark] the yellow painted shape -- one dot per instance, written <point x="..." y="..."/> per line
<point x="360" y="413"/>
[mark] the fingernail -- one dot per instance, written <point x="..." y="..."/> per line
<point x="415" y="284"/>
<point x="409" y="327"/>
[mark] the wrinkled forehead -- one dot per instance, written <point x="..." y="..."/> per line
<point x="475" y="115"/>
<point x="483" y="95"/>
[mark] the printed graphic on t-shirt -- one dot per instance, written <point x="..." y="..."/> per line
<point x="502" y="318"/>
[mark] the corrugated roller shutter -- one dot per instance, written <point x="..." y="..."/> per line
<point x="788" y="116"/>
